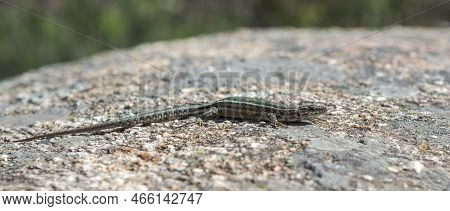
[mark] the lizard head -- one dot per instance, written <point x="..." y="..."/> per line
<point x="310" y="110"/>
<point x="301" y="113"/>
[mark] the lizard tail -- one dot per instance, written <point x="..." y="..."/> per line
<point x="87" y="129"/>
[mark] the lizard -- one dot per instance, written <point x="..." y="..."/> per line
<point x="246" y="108"/>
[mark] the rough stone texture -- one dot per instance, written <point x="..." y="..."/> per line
<point x="387" y="128"/>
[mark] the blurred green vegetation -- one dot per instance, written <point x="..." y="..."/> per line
<point x="27" y="42"/>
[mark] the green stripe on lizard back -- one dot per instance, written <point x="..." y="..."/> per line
<point x="253" y="100"/>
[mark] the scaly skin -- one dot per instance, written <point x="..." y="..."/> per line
<point x="232" y="107"/>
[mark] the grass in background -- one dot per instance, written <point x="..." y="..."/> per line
<point x="27" y="42"/>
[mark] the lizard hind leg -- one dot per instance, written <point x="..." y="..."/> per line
<point x="199" y="120"/>
<point x="274" y="121"/>
<point x="210" y="114"/>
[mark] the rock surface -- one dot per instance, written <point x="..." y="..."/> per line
<point x="387" y="127"/>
